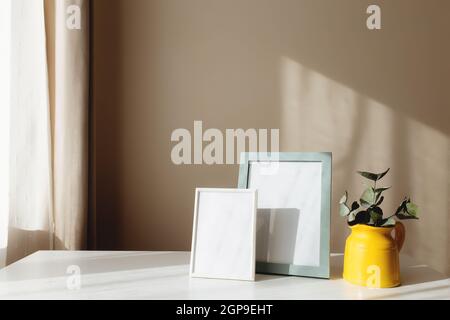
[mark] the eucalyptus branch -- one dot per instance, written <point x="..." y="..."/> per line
<point x="368" y="210"/>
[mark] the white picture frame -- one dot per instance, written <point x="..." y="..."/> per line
<point x="224" y="234"/>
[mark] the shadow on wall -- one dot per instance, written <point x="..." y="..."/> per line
<point x="106" y="149"/>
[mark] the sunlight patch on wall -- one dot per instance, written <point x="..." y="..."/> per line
<point x="320" y="114"/>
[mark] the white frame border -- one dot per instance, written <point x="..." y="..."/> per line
<point x="198" y="192"/>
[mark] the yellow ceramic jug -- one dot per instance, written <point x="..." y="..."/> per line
<point x="372" y="256"/>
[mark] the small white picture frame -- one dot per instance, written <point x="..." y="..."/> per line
<point x="224" y="234"/>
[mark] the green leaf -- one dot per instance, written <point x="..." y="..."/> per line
<point x="380" y="201"/>
<point x="365" y="204"/>
<point x="362" y="217"/>
<point x="355" y="206"/>
<point x="379" y="191"/>
<point x="402" y="212"/>
<point x="412" y="209"/>
<point x="351" y="217"/>
<point x="344" y="198"/>
<point x="390" y="222"/>
<point x="402" y="206"/>
<point x="373" y="176"/>
<point x="368" y="197"/>
<point x="344" y="210"/>
<point x="376" y="214"/>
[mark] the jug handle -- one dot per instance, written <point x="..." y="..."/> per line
<point x="399" y="235"/>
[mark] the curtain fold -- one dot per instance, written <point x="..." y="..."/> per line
<point x="70" y="131"/>
<point x="49" y="126"/>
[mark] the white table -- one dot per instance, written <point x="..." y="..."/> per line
<point x="164" y="275"/>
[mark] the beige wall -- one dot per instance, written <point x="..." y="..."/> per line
<point x="311" y="68"/>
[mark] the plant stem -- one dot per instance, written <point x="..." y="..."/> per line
<point x="391" y="216"/>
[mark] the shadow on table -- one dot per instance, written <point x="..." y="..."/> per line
<point x="441" y="292"/>
<point x="411" y="273"/>
<point x="416" y="274"/>
<point x="262" y="277"/>
<point x="336" y="263"/>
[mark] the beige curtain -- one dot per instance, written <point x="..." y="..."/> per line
<point x="49" y="126"/>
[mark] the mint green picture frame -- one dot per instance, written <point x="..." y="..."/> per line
<point x="323" y="270"/>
